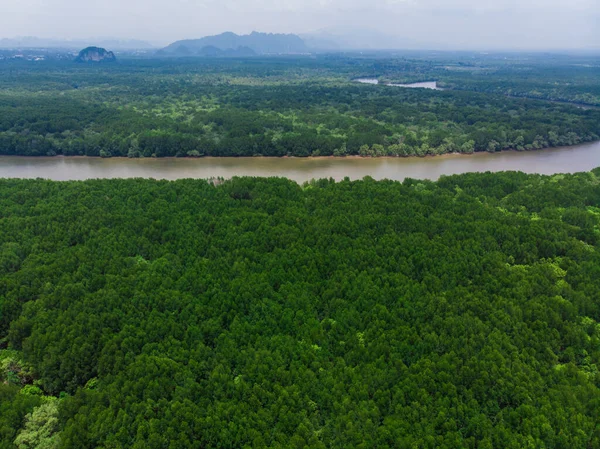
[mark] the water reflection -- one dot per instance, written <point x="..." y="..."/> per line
<point x="422" y="85"/>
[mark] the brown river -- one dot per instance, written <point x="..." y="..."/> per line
<point x="548" y="161"/>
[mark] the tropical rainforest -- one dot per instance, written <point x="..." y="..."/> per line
<point x="252" y="312"/>
<point x="298" y="106"/>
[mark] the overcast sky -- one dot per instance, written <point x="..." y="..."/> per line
<point x="493" y="24"/>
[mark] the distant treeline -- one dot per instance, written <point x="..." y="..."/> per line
<point x="295" y="107"/>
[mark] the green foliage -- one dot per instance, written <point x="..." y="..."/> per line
<point x="259" y="313"/>
<point x="41" y="428"/>
<point x="13" y="409"/>
<point x="288" y="106"/>
<point x="13" y="370"/>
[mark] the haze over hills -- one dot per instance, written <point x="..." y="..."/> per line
<point x="362" y="39"/>
<point x="256" y="43"/>
<point x="229" y="43"/>
<point x="37" y="42"/>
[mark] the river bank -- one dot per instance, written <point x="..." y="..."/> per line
<point x="577" y="158"/>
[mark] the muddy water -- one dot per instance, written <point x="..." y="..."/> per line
<point x="549" y="161"/>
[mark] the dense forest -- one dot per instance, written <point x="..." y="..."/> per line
<point x="300" y="106"/>
<point x="571" y="78"/>
<point x="252" y="312"/>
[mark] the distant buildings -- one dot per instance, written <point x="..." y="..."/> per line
<point x="35" y="54"/>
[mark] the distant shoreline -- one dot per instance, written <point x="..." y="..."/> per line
<point x="422" y="85"/>
<point x="350" y="156"/>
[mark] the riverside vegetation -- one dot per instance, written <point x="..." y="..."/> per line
<point x="296" y="106"/>
<point x="461" y="313"/>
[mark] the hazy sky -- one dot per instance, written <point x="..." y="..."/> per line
<point x="534" y="24"/>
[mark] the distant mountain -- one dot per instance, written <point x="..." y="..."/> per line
<point x="36" y="42"/>
<point x="209" y="51"/>
<point x="231" y="44"/>
<point x="95" y="54"/>
<point x="333" y="40"/>
<point x="239" y="52"/>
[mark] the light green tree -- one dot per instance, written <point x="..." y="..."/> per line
<point x="41" y="428"/>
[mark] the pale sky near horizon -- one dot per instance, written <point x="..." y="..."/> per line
<point x="468" y="24"/>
